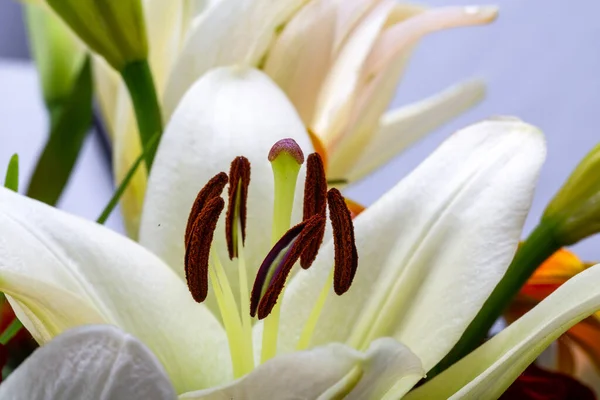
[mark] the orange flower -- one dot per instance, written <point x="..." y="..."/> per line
<point x="578" y="350"/>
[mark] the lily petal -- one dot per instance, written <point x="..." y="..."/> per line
<point x="382" y="72"/>
<point x="432" y="249"/>
<point x="337" y="95"/>
<point x="400" y="128"/>
<point x="490" y="369"/>
<point x="126" y="149"/>
<point x="229" y="112"/>
<point x="107" y="278"/>
<point x="228" y="32"/>
<point x="301" y="56"/>
<point x="331" y="371"/>
<point x="92" y="362"/>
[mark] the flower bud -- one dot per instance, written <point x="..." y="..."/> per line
<point x="575" y="210"/>
<point x="115" y="29"/>
<point x="58" y="54"/>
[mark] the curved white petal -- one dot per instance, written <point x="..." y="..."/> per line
<point x="400" y="128"/>
<point x="490" y="369"/>
<point x="382" y="72"/>
<point x="65" y="260"/>
<point x="228" y="113"/>
<point x="164" y="25"/>
<point x="336" y="98"/>
<point x="228" y="32"/>
<point x="332" y="371"/>
<point x="106" y="85"/>
<point x="126" y="149"/>
<point x="98" y="362"/>
<point x="432" y="249"/>
<point x="302" y="54"/>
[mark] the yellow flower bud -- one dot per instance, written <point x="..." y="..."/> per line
<point x="576" y="207"/>
<point x="115" y="29"/>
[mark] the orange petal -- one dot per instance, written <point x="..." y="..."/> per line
<point x="548" y="277"/>
<point x="354" y="207"/>
<point x="318" y="146"/>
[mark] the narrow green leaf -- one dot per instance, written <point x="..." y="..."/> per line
<point x="150" y="147"/>
<point x="10" y="331"/>
<point x="70" y="124"/>
<point x="11" y="181"/>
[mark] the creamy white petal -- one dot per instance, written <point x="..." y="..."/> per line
<point x="67" y="259"/>
<point x="96" y="362"/>
<point x="332" y="371"/>
<point x="490" y="369"/>
<point x="302" y="54"/>
<point x="382" y="72"/>
<point x="228" y="32"/>
<point x="228" y="113"/>
<point x="336" y="98"/>
<point x="106" y="84"/>
<point x="400" y="128"/>
<point x="432" y="249"/>
<point x="164" y="25"/>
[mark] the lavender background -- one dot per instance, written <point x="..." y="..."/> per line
<point x="541" y="60"/>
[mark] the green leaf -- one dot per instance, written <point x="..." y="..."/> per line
<point x="70" y="124"/>
<point x="150" y="147"/>
<point x="10" y="331"/>
<point x="11" y="181"/>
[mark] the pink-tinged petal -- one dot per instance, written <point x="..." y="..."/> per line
<point x="382" y="72"/>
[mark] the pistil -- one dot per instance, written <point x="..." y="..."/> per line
<point x="286" y="157"/>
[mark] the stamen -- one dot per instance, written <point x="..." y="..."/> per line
<point x="346" y="256"/>
<point x="239" y="180"/>
<point x="197" y="248"/>
<point x="276" y="267"/>
<point x="212" y="189"/>
<point x="315" y="203"/>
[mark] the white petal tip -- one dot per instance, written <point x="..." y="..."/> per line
<point x="501" y="118"/>
<point x="484" y="13"/>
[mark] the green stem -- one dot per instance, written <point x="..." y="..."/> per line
<point x="139" y="81"/>
<point x="536" y="249"/>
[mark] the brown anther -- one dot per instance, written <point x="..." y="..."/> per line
<point x="212" y="189"/>
<point x="315" y="203"/>
<point x="197" y="249"/>
<point x="239" y="180"/>
<point x="346" y="256"/>
<point x="292" y="244"/>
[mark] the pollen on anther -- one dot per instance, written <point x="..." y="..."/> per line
<point x="346" y="255"/>
<point x="276" y="267"/>
<point x="239" y="180"/>
<point x="212" y="189"/>
<point x="315" y="203"/>
<point x="197" y="249"/>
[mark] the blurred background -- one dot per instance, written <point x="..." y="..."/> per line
<point x="540" y="60"/>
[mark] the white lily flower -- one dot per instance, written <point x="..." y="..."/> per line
<point x="430" y="252"/>
<point x="339" y="62"/>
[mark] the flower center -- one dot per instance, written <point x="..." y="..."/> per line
<point x="298" y="243"/>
